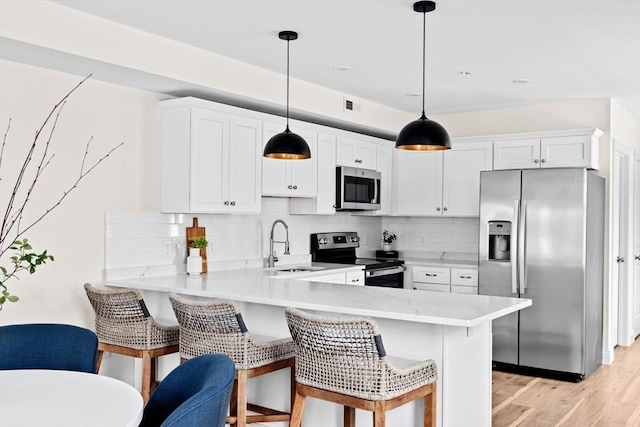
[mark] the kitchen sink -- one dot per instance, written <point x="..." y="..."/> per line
<point x="295" y="270"/>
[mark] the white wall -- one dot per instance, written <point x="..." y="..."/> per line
<point x="74" y="233"/>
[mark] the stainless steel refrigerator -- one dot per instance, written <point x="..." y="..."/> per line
<point x="542" y="237"/>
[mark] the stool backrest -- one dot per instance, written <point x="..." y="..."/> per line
<point x="210" y="326"/>
<point x="122" y="317"/>
<point x="48" y="346"/>
<point x="342" y="354"/>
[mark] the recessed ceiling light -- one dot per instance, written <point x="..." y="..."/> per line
<point x="341" y="68"/>
<point x="521" y="81"/>
<point x="465" y="73"/>
<point x="413" y="94"/>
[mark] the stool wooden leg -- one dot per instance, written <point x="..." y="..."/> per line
<point x="379" y="415"/>
<point x="99" y="360"/>
<point x="233" y="402"/>
<point x="349" y="419"/>
<point x="430" y="408"/>
<point x="297" y="409"/>
<point x="146" y="376"/>
<point x="242" y="398"/>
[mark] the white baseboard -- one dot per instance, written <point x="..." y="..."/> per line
<point x="607" y="357"/>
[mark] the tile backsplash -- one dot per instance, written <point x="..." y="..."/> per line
<point x="153" y="244"/>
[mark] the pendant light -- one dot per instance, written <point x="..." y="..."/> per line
<point x="423" y="134"/>
<point x="287" y="145"/>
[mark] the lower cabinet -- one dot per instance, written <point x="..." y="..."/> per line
<point x="349" y="278"/>
<point x="445" y="279"/>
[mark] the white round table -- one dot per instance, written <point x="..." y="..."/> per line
<point x="34" y="397"/>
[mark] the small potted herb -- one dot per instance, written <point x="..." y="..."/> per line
<point x="194" y="260"/>
<point x="387" y="239"/>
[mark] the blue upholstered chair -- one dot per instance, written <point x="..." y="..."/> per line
<point x="196" y="393"/>
<point x="48" y="346"/>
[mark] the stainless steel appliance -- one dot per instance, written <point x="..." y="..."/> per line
<point x="541" y="237"/>
<point x="340" y="248"/>
<point x="357" y="189"/>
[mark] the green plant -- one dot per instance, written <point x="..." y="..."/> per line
<point x="199" y="242"/>
<point x="21" y="260"/>
<point x="388" y="237"/>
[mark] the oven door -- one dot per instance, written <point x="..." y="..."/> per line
<point x="385" y="277"/>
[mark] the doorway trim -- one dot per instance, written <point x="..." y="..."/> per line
<point x="621" y="291"/>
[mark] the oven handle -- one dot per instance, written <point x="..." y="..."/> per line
<point x="383" y="271"/>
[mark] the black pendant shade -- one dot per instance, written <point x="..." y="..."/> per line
<point x="423" y="134"/>
<point x="287" y="145"/>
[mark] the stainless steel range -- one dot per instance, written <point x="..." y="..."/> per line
<point x="340" y="248"/>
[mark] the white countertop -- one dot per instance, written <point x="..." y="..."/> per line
<point x="266" y="286"/>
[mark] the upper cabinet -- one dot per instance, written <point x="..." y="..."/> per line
<point x="355" y="153"/>
<point x="290" y="178"/>
<point x="211" y="160"/>
<point x="576" y="148"/>
<point x="440" y="183"/>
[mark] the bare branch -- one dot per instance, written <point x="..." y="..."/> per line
<point x="4" y="142"/>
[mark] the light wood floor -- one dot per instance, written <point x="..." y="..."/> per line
<point x="607" y="398"/>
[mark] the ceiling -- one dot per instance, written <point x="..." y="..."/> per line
<point x="567" y="49"/>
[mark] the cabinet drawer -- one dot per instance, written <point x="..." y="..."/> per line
<point x="355" y="278"/>
<point x="432" y="287"/>
<point x="464" y="277"/>
<point x="431" y="275"/>
<point x="464" y="289"/>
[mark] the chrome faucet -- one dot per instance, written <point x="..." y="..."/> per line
<point x="442" y="256"/>
<point x="272" y="255"/>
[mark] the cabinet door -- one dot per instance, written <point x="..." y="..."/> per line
<point x="304" y="172"/>
<point x="384" y="161"/>
<point x="276" y="174"/>
<point x="245" y="165"/>
<point x="367" y="153"/>
<point x="461" y="177"/>
<point x="566" y="151"/>
<point x="347" y="152"/>
<point x="417" y="182"/>
<point x="326" y="176"/>
<point x="209" y="165"/>
<point x="516" y="154"/>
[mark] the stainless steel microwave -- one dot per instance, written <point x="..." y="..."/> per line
<point x="357" y="189"/>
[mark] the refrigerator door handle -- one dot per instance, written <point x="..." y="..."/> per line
<point x="514" y="246"/>
<point x="522" y="240"/>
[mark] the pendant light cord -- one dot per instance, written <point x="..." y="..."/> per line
<point x="424" y="37"/>
<point x="288" y="41"/>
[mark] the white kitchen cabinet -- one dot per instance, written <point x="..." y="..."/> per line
<point x="211" y="160"/>
<point x="355" y="278"/>
<point x="445" y="279"/>
<point x="355" y="152"/>
<point x="325" y="201"/>
<point x="289" y="178"/>
<point x="442" y="183"/>
<point x="577" y="148"/>
<point x="384" y="160"/>
<point x="350" y="278"/>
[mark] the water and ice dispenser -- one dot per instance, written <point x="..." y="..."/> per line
<point x="499" y="240"/>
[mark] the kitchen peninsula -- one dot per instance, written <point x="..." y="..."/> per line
<point x="452" y="329"/>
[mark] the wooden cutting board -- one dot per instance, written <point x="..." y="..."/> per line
<point x="192" y="233"/>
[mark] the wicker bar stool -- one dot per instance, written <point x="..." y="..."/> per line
<point x="342" y="360"/>
<point x="216" y="326"/>
<point x="124" y="326"/>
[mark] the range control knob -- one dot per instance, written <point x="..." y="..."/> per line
<point x="355" y="239"/>
<point x="323" y="241"/>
